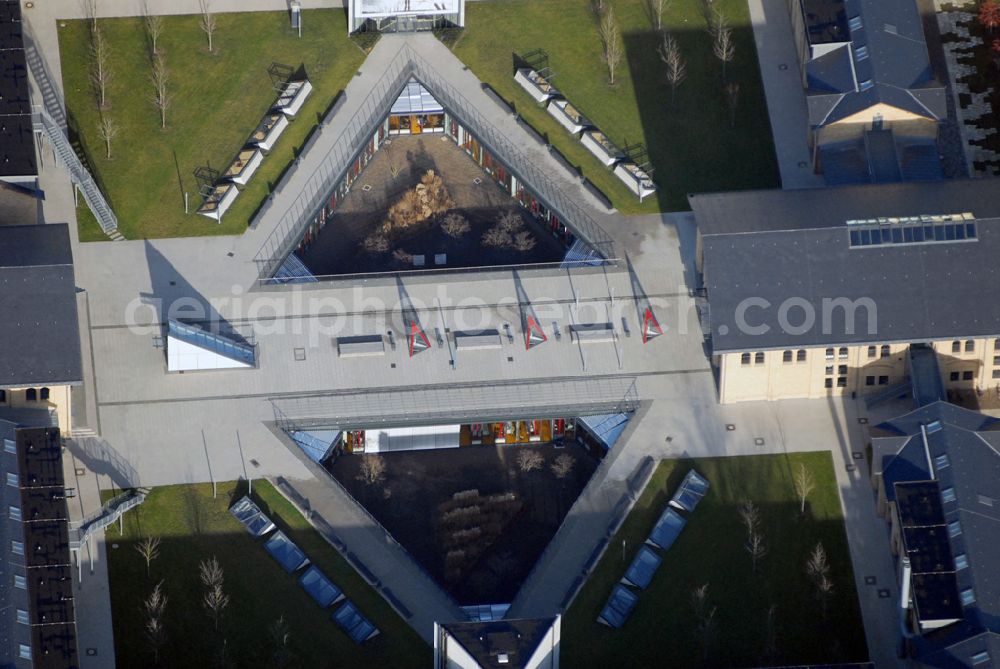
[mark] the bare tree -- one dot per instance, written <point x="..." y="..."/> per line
<point x="529" y="460"/>
<point x="161" y="97"/>
<point x="376" y="243"/>
<point x="723" y="45"/>
<point x="770" y="633"/>
<point x="154" y="28"/>
<point x="804" y="485"/>
<point x="670" y="54"/>
<point x="156" y="603"/>
<point x="611" y="38"/>
<point x="403" y="256"/>
<point x="211" y="572"/>
<point x="100" y="65"/>
<point x="207" y="22"/>
<point x="497" y="237"/>
<point x="149" y="549"/>
<point x="455" y="225"/>
<point x="655" y="8"/>
<point x="755" y="547"/>
<point x="705" y="616"/>
<point x="372" y="469"/>
<point x="750" y="515"/>
<point x="563" y="465"/>
<point x="524" y="241"/>
<point x="510" y="221"/>
<point x="109" y="130"/>
<point x="281" y="638"/>
<point x="818" y="569"/>
<point x="215" y="601"/>
<point x="155" y="636"/>
<point x="733" y="100"/>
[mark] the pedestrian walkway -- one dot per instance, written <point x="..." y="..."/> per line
<point x="786" y="100"/>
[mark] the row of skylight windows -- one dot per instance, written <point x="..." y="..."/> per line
<point x="913" y="234"/>
<point x="913" y="220"/>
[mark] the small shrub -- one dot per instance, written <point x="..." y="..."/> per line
<point x="529" y="460"/>
<point x="497" y="238"/>
<point x="376" y="243"/>
<point x="403" y="256"/>
<point x="455" y="225"/>
<point x="510" y="222"/>
<point x="524" y="241"/>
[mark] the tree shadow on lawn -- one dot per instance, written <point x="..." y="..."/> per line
<point x="691" y="143"/>
<point x="663" y="629"/>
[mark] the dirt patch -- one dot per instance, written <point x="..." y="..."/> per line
<point x="397" y="169"/>
<point x="420" y="486"/>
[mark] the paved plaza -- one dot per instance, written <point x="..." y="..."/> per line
<point x="143" y="427"/>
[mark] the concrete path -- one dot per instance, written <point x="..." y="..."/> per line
<point x="92" y="597"/>
<point x="680" y="405"/>
<point x="786" y="100"/>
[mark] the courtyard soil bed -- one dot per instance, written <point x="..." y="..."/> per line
<point x="419" y="485"/>
<point x="396" y="170"/>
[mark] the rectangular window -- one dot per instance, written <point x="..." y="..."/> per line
<point x="941" y="461"/>
<point x="829" y="370"/>
<point x="829" y="354"/>
<point x="745" y="359"/>
<point x="981" y="658"/>
<point x="854" y="23"/>
<point x="841" y="381"/>
<point x="758" y="358"/>
<point x="996" y="360"/>
<point x="20" y="582"/>
<point x="861" y="52"/>
<point x="883" y="380"/>
<point x="24" y="651"/>
<point x="885" y="351"/>
<point x="9" y="446"/>
<point x="948" y="495"/>
<point x="954" y="528"/>
<point x="869" y="380"/>
<point x="996" y="373"/>
<point x="961" y="562"/>
<point x="871" y="351"/>
<point x="842" y="369"/>
<point x="956" y="347"/>
<point x="866" y="85"/>
<point x="842" y="353"/>
<point x="22" y="616"/>
<point x="967" y="375"/>
<point x="17" y="547"/>
<point x="968" y="597"/>
<point x="12" y="479"/>
<point x="14" y="512"/>
<point x="953" y="376"/>
<point x="828" y="383"/>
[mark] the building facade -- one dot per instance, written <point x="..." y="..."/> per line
<point x="822" y="292"/>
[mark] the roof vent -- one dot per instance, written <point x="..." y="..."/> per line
<point x="890" y="28"/>
<point x="503" y="658"/>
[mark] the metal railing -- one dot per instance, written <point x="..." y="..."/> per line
<point x="107" y="515"/>
<point x="405" y="65"/>
<point x="42" y="122"/>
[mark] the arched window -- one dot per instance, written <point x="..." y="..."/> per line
<point x="885" y="350"/>
<point x="970" y="345"/>
<point x="842" y="353"/>
<point x="956" y="347"/>
<point x="786" y="356"/>
<point x="745" y="359"/>
<point x="31" y="394"/>
<point x="758" y="358"/>
<point x="801" y="355"/>
<point x="44" y="394"/>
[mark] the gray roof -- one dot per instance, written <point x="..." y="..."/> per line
<point x="970" y="441"/>
<point x="897" y="71"/>
<point x="793" y="245"/>
<point x="38" y="316"/>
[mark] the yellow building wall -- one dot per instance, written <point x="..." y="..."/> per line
<point x="59" y="400"/>
<point x="902" y="122"/>
<point x="861" y="368"/>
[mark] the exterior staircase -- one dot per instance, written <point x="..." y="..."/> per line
<point x="107" y="515"/>
<point x="43" y="123"/>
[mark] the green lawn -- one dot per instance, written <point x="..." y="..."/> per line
<point x="193" y="526"/>
<point x="662" y="631"/>
<point x="218" y="99"/>
<point x="691" y="144"/>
